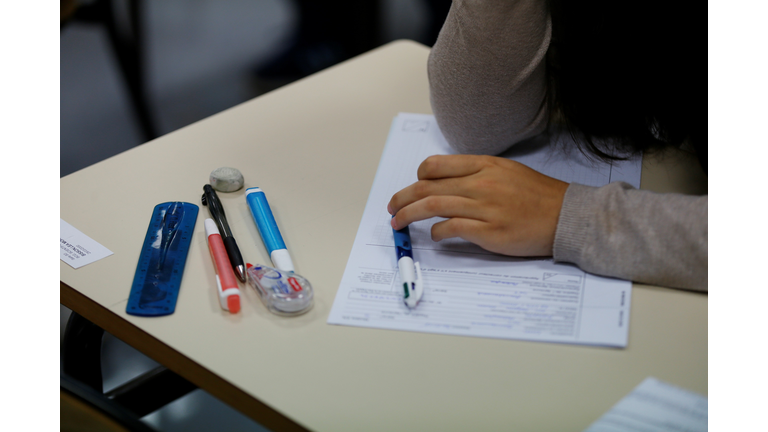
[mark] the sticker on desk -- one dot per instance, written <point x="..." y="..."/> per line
<point x="77" y="249"/>
<point x="656" y="406"/>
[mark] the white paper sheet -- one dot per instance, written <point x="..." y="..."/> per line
<point x="656" y="406"/>
<point x="77" y="249"/>
<point x="467" y="290"/>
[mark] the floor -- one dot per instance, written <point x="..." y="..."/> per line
<point x="201" y="55"/>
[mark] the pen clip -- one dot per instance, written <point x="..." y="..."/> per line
<point x="211" y="200"/>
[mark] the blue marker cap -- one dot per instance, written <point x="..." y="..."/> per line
<point x="265" y="221"/>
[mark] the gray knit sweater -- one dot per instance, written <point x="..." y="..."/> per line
<point x="487" y="87"/>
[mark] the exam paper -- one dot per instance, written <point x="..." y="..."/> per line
<point x="467" y="290"/>
<point x="656" y="406"/>
<point x="77" y="249"/>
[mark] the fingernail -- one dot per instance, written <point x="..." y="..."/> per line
<point x="389" y="208"/>
<point x="393" y="223"/>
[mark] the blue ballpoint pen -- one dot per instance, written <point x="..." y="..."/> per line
<point x="410" y="272"/>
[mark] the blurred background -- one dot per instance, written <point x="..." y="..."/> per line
<point x="133" y="70"/>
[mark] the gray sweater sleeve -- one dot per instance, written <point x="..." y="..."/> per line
<point x="487" y="74"/>
<point x="488" y="91"/>
<point x="618" y="231"/>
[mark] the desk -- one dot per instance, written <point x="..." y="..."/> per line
<point x="314" y="146"/>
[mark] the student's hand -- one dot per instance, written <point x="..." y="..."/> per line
<point x="498" y="204"/>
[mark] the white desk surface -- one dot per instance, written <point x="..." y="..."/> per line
<point x="314" y="147"/>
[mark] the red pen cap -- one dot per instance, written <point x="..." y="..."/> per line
<point x="233" y="303"/>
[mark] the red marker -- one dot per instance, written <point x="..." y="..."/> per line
<point x="226" y="283"/>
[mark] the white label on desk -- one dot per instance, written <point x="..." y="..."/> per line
<point x="77" y="249"/>
<point x="469" y="291"/>
<point x="655" y="406"/>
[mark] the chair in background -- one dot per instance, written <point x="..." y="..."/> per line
<point x="126" y="39"/>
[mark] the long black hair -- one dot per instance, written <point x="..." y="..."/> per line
<point x="628" y="76"/>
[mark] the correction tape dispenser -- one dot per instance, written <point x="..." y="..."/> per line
<point x="284" y="293"/>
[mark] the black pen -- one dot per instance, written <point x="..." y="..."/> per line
<point x="211" y="200"/>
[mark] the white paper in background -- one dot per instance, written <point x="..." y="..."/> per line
<point x="77" y="249"/>
<point x="656" y="406"/>
<point x="467" y="290"/>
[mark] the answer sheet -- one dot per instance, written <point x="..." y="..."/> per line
<point x="469" y="291"/>
<point x="656" y="406"/>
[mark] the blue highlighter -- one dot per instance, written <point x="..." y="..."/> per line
<point x="270" y="233"/>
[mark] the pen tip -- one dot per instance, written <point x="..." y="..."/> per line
<point x="240" y="273"/>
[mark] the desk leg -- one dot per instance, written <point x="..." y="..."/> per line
<point x="81" y="352"/>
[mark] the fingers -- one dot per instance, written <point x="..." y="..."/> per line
<point x="441" y="175"/>
<point x="468" y="229"/>
<point x="433" y="206"/>
<point x="445" y="166"/>
<point x="427" y="188"/>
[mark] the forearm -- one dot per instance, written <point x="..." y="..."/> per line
<point x="487" y="74"/>
<point x="622" y="232"/>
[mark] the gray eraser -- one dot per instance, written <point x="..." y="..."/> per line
<point x="226" y="179"/>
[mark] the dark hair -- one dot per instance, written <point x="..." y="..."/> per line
<point x="629" y="76"/>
